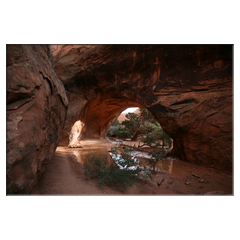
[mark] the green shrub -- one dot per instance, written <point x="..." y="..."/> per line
<point x="112" y="130"/>
<point x="95" y="165"/>
<point x="119" y="131"/>
<point x="110" y="174"/>
<point x="155" y="134"/>
<point x="149" y="140"/>
<point x="131" y="126"/>
<point x="116" y="123"/>
<point x="123" y="132"/>
<point x="157" y="130"/>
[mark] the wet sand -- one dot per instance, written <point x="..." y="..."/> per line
<point x="65" y="176"/>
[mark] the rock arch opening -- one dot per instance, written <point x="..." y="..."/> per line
<point x="96" y="117"/>
<point x="188" y="88"/>
<point x="139" y="126"/>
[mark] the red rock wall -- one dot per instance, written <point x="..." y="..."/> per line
<point x="96" y="117"/>
<point x="188" y="88"/>
<point x="36" y="112"/>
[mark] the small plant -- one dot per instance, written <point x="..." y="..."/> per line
<point x="95" y="165"/>
<point x="108" y="174"/>
<point x="123" y="173"/>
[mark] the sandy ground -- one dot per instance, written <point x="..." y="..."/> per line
<point x="65" y="176"/>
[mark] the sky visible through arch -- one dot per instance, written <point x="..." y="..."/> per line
<point x="130" y="110"/>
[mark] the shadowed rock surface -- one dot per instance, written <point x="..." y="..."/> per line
<point x="188" y="88"/>
<point x="36" y="111"/>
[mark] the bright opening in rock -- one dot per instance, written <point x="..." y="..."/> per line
<point x="93" y="119"/>
<point x="139" y="126"/>
<point x="67" y="94"/>
<point x="132" y="109"/>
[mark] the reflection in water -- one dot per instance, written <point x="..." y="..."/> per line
<point x="120" y="161"/>
<point x="161" y="165"/>
<point x="80" y="153"/>
<point x="105" y="147"/>
<point x="77" y="154"/>
<point x="166" y="165"/>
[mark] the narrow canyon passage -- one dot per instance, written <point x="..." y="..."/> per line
<point x="58" y="95"/>
<point x="65" y="176"/>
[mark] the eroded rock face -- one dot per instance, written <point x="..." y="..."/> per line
<point x="36" y="111"/>
<point x="188" y="88"/>
<point x="96" y="117"/>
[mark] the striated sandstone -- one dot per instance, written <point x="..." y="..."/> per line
<point x="188" y="88"/>
<point x="36" y="111"/>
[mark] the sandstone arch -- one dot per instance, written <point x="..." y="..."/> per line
<point x="97" y="116"/>
<point x="188" y="88"/>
